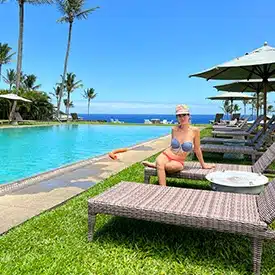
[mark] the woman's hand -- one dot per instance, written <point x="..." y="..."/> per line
<point x="208" y="166"/>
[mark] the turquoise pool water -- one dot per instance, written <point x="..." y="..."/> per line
<point x="32" y="150"/>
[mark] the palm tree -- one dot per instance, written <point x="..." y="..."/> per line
<point x="71" y="10"/>
<point x="89" y="94"/>
<point x="56" y="93"/>
<point x="5" y="56"/>
<point x="236" y="108"/>
<point x="20" y="43"/>
<point x="29" y="82"/>
<point x="270" y="109"/>
<point x="10" y="78"/>
<point x="245" y="102"/>
<point x="71" y="104"/>
<point x="70" y="86"/>
<point x="226" y="107"/>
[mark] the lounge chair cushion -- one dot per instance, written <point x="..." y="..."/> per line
<point x="196" y="208"/>
<point x="266" y="203"/>
<point x="225" y="148"/>
<point x="193" y="170"/>
<point x="232" y="122"/>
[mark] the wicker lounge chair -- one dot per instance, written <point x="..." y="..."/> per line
<point x="241" y="214"/>
<point x="75" y="117"/>
<point x="193" y="170"/>
<point x="236" y="116"/>
<point x="243" y="133"/>
<point x="217" y="119"/>
<point x="253" y="151"/>
<point x="251" y="141"/>
<point x="233" y="125"/>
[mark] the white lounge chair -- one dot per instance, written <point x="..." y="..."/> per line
<point x="147" y="121"/>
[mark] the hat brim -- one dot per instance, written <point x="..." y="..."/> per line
<point x="182" y="113"/>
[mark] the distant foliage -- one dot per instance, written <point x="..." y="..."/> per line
<point x="39" y="109"/>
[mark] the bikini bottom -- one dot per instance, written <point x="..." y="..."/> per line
<point x="171" y="158"/>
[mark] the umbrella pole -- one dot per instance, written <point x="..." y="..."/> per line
<point x="265" y="96"/>
<point x="258" y="99"/>
<point x="231" y="108"/>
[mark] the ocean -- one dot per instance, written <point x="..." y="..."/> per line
<point x="139" y="118"/>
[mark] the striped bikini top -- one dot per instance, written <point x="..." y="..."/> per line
<point x="185" y="146"/>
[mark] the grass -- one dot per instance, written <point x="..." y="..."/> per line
<point x="56" y="242"/>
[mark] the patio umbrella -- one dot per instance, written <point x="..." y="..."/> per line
<point x="251" y="86"/>
<point x="258" y="64"/>
<point x="231" y="96"/>
<point x="15" y="98"/>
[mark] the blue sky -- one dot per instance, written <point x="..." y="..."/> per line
<point x="138" y="54"/>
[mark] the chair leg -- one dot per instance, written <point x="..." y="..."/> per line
<point x="253" y="158"/>
<point x="91" y="225"/>
<point x="257" y="247"/>
<point x="146" y="178"/>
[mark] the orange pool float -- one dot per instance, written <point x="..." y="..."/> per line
<point x="112" y="154"/>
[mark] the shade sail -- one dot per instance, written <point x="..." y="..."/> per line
<point x="14" y="97"/>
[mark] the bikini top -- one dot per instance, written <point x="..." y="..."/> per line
<point x="185" y="146"/>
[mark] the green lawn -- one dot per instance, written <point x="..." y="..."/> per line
<point x="56" y="242"/>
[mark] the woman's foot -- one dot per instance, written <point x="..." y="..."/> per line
<point x="149" y="164"/>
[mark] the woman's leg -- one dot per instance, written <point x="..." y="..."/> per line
<point x="161" y="161"/>
<point x="173" y="166"/>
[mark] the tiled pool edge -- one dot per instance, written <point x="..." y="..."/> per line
<point x="18" y="184"/>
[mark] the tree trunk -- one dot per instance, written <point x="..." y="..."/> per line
<point x="19" y="54"/>
<point x="88" y="107"/>
<point x="65" y="68"/>
<point x="0" y="72"/>
<point x="68" y="105"/>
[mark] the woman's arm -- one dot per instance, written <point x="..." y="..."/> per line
<point x="197" y="149"/>
<point x="173" y="132"/>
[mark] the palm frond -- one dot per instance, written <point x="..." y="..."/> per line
<point x="37" y="87"/>
<point x="78" y="84"/>
<point x="84" y="14"/>
<point x="63" y="19"/>
<point x="8" y="58"/>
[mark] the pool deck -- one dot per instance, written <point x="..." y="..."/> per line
<point x="29" y="198"/>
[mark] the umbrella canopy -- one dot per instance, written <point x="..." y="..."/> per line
<point x="251" y="86"/>
<point x="15" y="97"/>
<point x="258" y="64"/>
<point x="231" y="96"/>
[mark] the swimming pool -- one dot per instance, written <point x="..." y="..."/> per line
<point x="31" y="150"/>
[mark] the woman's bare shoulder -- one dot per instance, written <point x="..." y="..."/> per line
<point x="175" y="128"/>
<point x="195" y="129"/>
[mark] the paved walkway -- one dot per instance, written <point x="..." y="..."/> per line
<point x="23" y="203"/>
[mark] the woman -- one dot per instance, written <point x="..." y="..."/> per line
<point x="184" y="139"/>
